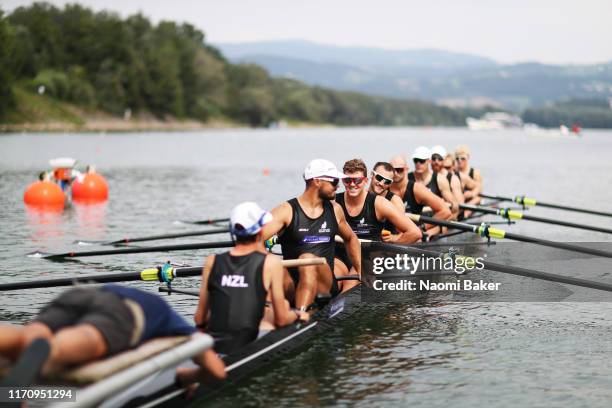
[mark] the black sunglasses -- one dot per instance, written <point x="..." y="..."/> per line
<point x="382" y="179"/>
<point x="333" y="181"/>
<point x="398" y="170"/>
<point x="420" y="161"/>
<point x="437" y="157"/>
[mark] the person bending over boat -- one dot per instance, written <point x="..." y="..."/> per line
<point x="471" y="179"/>
<point x="306" y="228"/>
<point x="86" y="324"/>
<point x="416" y="196"/>
<point x="434" y="181"/>
<point x="438" y="165"/>
<point x="236" y="284"/>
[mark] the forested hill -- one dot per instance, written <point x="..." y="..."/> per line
<point x="99" y="61"/>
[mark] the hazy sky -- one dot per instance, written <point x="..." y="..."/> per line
<point x="550" y="31"/>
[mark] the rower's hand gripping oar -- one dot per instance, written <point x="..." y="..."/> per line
<point x="486" y="231"/>
<point x="517" y="215"/>
<point x="530" y="202"/>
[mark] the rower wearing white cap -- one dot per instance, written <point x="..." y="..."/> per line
<point x="236" y="284"/>
<point x="306" y="228"/>
<point x="416" y="195"/>
<point x="438" y="154"/>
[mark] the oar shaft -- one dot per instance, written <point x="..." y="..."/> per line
<point x="207" y="222"/>
<point x="168" y="236"/>
<point x="497" y="233"/>
<point x="531" y="202"/>
<point x="511" y="214"/>
<point x="513" y="270"/>
<point x="161" y="248"/>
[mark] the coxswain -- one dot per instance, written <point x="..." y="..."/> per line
<point x="306" y="228"/>
<point x="439" y="161"/>
<point x="236" y="284"/>
<point x="471" y="179"/>
<point x="86" y="324"/>
<point x="416" y="195"/>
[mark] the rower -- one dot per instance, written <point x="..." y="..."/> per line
<point x="307" y="226"/>
<point x="416" y="195"/>
<point x="85" y="324"/>
<point x="380" y="183"/>
<point x="438" y="164"/>
<point x="367" y="213"/>
<point x="434" y="181"/>
<point x="236" y="284"/>
<point x="471" y="179"/>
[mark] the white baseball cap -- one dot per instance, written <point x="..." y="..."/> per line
<point x="422" y="153"/>
<point x="322" y="168"/>
<point x="439" y="150"/>
<point x="248" y="218"/>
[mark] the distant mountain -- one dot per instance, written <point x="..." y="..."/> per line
<point x="450" y="78"/>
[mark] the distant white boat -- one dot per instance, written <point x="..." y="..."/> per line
<point x="495" y="121"/>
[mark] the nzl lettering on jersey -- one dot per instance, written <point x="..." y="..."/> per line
<point x="234" y="281"/>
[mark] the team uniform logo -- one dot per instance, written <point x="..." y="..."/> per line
<point x="234" y="281"/>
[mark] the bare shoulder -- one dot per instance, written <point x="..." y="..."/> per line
<point x="272" y="261"/>
<point x="338" y="211"/>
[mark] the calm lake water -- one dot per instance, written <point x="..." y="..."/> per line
<point x="434" y="354"/>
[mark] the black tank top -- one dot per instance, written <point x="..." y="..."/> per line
<point x="388" y="224"/>
<point x="432" y="185"/>
<point x="308" y="235"/>
<point x="364" y="225"/>
<point x="237" y="299"/>
<point x="411" y="204"/>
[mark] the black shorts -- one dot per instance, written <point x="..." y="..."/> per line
<point x="104" y="310"/>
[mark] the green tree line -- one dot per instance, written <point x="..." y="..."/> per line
<point x="591" y="113"/>
<point x="97" y="60"/>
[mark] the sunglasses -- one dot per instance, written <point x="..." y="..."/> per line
<point x="462" y="158"/>
<point x="437" y="157"/>
<point x="448" y="167"/>
<point x="398" y="170"/>
<point x="382" y="179"/>
<point x="332" y="180"/>
<point x="419" y="161"/>
<point x="353" y="180"/>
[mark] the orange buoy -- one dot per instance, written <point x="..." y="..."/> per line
<point x="44" y="194"/>
<point x="92" y="188"/>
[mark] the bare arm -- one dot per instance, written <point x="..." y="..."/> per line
<point x="282" y="313"/>
<point x="398" y="203"/>
<point x="408" y="231"/>
<point x="455" y="185"/>
<point x="447" y="194"/>
<point x="281" y="217"/>
<point x="201" y="314"/>
<point x="351" y="242"/>
<point x="424" y="196"/>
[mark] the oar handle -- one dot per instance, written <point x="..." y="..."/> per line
<point x="292" y="263"/>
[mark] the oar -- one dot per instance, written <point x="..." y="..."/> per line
<point x="163" y="273"/>
<point x="513" y="270"/>
<point x="156" y="237"/>
<point x="486" y="231"/>
<point x="517" y="215"/>
<point x="205" y="222"/>
<point x="530" y="202"/>
<point x="120" y="251"/>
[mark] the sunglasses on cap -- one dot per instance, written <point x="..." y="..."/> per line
<point x="382" y="179"/>
<point x="332" y="180"/>
<point x="419" y="161"/>
<point x="353" y="180"/>
<point x="437" y="157"/>
<point x="398" y="170"/>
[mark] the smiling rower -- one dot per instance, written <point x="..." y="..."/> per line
<point x="416" y="195"/>
<point x="306" y="228"/>
<point x="434" y="181"/>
